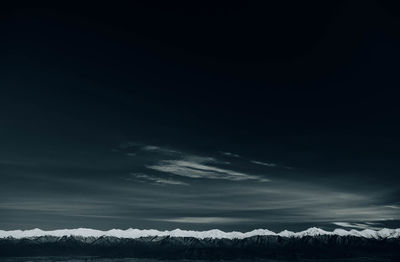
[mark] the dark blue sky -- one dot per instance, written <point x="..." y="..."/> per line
<point x="230" y="116"/>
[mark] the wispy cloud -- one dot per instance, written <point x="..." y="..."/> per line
<point x="200" y="167"/>
<point x="392" y="206"/>
<point x="203" y="220"/>
<point x="229" y="154"/>
<point x="151" y="148"/>
<point x="146" y="148"/>
<point x="364" y="225"/>
<point x="263" y="163"/>
<point x="157" y="180"/>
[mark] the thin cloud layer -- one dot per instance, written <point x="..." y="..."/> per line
<point x="263" y="163"/>
<point x="146" y="148"/>
<point x="365" y="225"/>
<point x="191" y="166"/>
<point x="195" y="167"/>
<point x="204" y="220"/>
<point x="178" y="163"/>
<point x="157" y="180"/>
<point x="154" y="187"/>
<point x="229" y="154"/>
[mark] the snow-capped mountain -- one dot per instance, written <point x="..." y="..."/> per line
<point x="208" y="245"/>
<point x="214" y="234"/>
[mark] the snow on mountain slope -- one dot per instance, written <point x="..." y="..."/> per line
<point x="215" y="233"/>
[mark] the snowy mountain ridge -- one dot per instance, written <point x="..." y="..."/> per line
<point x="214" y="233"/>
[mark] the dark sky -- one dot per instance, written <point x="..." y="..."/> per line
<point x="200" y="116"/>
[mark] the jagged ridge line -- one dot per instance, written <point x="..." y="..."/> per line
<point x="215" y="233"/>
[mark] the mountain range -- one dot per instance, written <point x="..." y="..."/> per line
<point x="313" y="243"/>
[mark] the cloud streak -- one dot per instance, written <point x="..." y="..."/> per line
<point x="263" y="163"/>
<point x="158" y="180"/>
<point x="198" y="167"/>
<point x="146" y="148"/>
<point x="230" y="154"/>
<point x="359" y="225"/>
<point x="203" y="220"/>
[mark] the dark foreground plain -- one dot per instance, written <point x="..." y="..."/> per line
<point x="98" y="259"/>
<point x="263" y="248"/>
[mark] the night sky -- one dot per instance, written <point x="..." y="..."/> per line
<point x="200" y="116"/>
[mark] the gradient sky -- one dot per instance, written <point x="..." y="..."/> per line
<point x="230" y="116"/>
